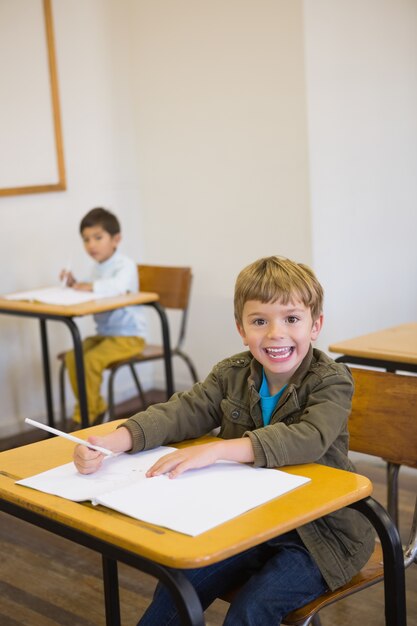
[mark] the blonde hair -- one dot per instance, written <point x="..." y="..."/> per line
<point x="275" y="278"/>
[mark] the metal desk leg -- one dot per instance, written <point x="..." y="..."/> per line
<point x="79" y="366"/>
<point x="183" y="593"/>
<point x="111" y="591"/>
<point x="392" y="495"/>
<point x="47" y="373"/>
<point x="394" y="571"/>
<point x="167" y="347"/>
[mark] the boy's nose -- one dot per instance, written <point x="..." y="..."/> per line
<point x="275" y="330"/>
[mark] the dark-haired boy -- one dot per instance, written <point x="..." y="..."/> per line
<point x="119" y="332"/>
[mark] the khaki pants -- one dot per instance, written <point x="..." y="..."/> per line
<point x="99" y="352"/>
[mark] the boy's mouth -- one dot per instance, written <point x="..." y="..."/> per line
<point x="280" y="353"/>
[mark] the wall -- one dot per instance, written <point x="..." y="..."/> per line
<point x="220" y="113"/>
<point x="221" y="132"/>
<point x="40" y="232"/>
<point x="362" y="103"/>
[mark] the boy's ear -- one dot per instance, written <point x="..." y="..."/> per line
<point x="241" y="333"/>
<point x="117" y="238"/>
<point x="316" y="328"/>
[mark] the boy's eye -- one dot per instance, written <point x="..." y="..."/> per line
<point x="259" y="321"/>
<point x="291" y="319"/>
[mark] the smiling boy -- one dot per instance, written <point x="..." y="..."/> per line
<point x="119" y="332"/>
<point x="280" y="403"/>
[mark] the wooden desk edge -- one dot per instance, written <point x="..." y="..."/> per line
<point x="169" y="547"/>
<point x="76" y="310"/>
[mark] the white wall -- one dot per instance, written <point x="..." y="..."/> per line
<point x="361" y="59"/>
<point x="220" y="112"/>
<point x="40" y="232"/>
<point x="189" y="119"/>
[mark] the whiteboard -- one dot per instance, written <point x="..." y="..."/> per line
<point x="31" y="150"/>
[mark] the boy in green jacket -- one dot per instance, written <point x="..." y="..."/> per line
<point x="280" y="403"/>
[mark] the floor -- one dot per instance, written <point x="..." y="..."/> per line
<point x="46" y="580"/>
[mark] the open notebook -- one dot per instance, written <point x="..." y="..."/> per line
<point x="54" y="295"/>
<point x="191" y="504"/>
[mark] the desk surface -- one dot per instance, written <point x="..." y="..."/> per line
<point x="398" y="343"/>
<point x="76" y="310"/>
<point x="329" y="490"/>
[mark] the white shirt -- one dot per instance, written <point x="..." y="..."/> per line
<point x="116" y="276"/>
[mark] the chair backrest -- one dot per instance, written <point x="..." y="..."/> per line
<point x="172" y="284"/>
<point x="383" y="421"/>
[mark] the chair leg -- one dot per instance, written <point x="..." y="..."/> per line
<point x="110" y="394"/>
<point x="190" y="364"/>
<point x="392" y="496"/>
<point x="316" y="621"/>
<point x="62" y="403"/>
<point x="138" y="385"/>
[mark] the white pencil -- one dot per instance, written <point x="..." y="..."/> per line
<point x="60" y="433"/>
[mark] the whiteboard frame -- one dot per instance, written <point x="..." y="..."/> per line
<point x="60" y="185"/>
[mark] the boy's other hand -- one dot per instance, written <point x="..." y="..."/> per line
<point x="83" y="286"/>
<point x="180" y="461"/>
<point x="67" y="278"/>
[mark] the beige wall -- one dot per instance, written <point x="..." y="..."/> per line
<point x="220" y="114"/>
<point x="189" y="119"/>
<point x="362" y="103"/>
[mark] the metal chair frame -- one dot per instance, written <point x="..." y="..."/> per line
<point x="173" y="285"/>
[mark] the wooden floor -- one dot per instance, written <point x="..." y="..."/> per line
<point x="46" y="580"/>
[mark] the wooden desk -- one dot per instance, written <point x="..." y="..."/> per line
<point x="66" y="314"/>
<point x="392" y="349"/>
<point x="155" y="550"/>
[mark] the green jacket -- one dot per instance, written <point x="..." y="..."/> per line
<point x="309" y="425"/>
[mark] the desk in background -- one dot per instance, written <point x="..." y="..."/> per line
<point x="391" y="349"/>
<point x="66" y="314"/>
<point x="155" y="550"/>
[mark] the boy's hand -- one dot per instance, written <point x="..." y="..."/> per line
<point x="203" y="455"/>
<point x="67" y="278"/>
<point x="180" y="461"/>
<point x="88" y="461"/>
<point x="83" y="286"/>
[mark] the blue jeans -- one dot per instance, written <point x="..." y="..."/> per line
<point x="277" y="577"/>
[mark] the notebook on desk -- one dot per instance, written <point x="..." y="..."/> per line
<point x="54" y="295"/>
<point x="191" y="504"/>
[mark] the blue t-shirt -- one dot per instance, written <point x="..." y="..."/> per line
<point x="268" y="402"/>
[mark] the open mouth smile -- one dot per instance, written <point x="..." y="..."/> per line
<point x="279" y="353"/>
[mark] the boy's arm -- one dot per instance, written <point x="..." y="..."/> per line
<point x="308" y="438"/>
<point x="83" y="286"/>
<point x="88" y="461"/>
<point x="123" y="280"/>
<point x="187" y="415"/>
<point x="203" y="455"/>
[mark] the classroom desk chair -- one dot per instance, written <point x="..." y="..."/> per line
<point x="173" y="286"/>
<point x="382" y="423"/>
